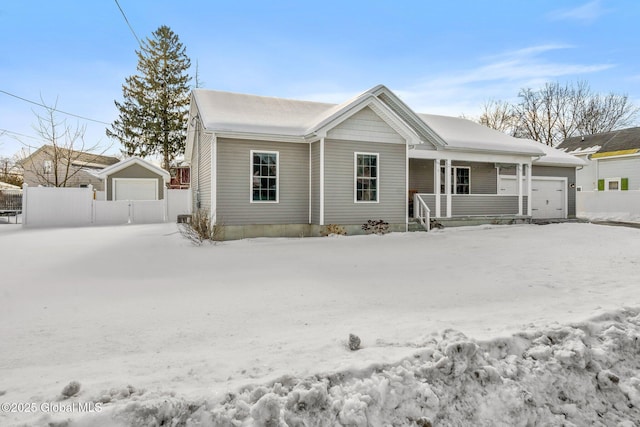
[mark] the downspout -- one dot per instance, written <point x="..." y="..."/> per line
<point x="195" y="124"/>
<point x="321" y="181"/>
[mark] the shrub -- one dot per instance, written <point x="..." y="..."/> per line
<point x="376" y="227"/>
<point x="201" y="228"/>
<point x="330" y="229"/>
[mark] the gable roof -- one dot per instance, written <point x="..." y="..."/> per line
<point x="78" y="158"/>
<point x="223" y="112"/>
<point x="623" y="140"/>
<point x="132" y="161"/>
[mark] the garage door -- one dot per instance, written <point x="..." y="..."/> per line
<point x="548" y="198"/>
<point x="135" y="189"/>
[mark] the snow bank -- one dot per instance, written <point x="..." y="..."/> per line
<point x="573" y="375"/>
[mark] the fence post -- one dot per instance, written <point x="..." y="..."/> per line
<point x="25" y="190"/>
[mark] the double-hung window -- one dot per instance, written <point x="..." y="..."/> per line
<point x="264" y="176"/>
<point x="460" y="180"/>
<point x="366" y="177"/>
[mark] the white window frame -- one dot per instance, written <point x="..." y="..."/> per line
<point x="608" y="180"/>
<point x="355" y="177"/>
<point x="47" y="166"/>
<point x="454" y="179"/>
<point x="277" y="154"/>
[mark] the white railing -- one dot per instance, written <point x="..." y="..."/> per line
<point x="421" y="211"/>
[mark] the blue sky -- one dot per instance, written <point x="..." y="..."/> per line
<point x="441" y="57"/>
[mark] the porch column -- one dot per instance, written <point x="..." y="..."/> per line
<point x="436" y="189"/>
<point x="529" y="204"/>
<point x="447" y="185"/>
<point x="519" y="179"/>
<point x="321" y="181"/>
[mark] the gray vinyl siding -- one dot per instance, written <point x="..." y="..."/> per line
<point x="469" y="205"/>
<point x="421" y="175"/>
<point x="484" y="176"/>
<point x="365" y="125"/>
<point x="569" y="173"/>
<point x="201" y="172"/>
<point x="621" y="168"/>
<point x="234" y="184"/>
<point x="315" y="183"/>
<point x="134" y="171"/>
<point x="340" y="207"/>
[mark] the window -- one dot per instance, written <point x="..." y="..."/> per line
<point x="264" y="176"/>
<point x="460" y="180"/>
<point x="47" y="166"/>
<point x="612" y="184"/>
<point x="366" y="177"/>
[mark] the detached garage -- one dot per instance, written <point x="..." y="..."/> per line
<point x="134" y="179"/>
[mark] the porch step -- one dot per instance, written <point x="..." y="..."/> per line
<point x="415" y="226"/>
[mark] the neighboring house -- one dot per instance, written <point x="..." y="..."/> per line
<point x="180" y="177"/>
<point x="134" y="179"/>
<point x="51" y="166"/>
<point x="609" y="183"/>
<point x="278" y="167"/>
<point x="612" y="160"/>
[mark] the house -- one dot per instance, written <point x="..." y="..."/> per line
<point x="134" y="179"/>
<point x="265" y="166"/>
<point x="609" y="183"/>
<point x="180" y="177"/>
<point x="612" y="160"/>
<point x="52" y="166"/>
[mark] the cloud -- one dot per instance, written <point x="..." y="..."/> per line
<point x="499" y="76"/>
<point x="586" y="14"/>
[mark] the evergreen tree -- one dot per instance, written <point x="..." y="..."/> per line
<point x="153" y="114"/>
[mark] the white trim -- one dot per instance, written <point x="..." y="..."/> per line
<point x="419" y="153"/>
<point x="436" y="173"/>
<point x="406" y="186"/>
<point x="355" y="177"/>
<point x="529" y="184"/>
<point x="123" y="164"/>
<point x="261" y="137"/>
<point x="214" y="179"/>
<point x="519" y="180"/>
<point x="321" y="181"/>
<point x="310" y="179"/>
<point x="114" y="180"/>
<point x="447" y="185"/>
<point x="277" y="153"/>
<point x="615" y="179"/>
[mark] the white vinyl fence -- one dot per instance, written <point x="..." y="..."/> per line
<point x="69" y="207"/>
<point x="608" y="205"/>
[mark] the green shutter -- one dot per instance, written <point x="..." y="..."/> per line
<point x="601" y="185"/>
<point x="624" y="184"/>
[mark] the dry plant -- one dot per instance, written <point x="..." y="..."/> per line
<point x="201" y="228"/>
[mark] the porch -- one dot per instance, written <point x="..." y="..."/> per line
<point x="460" y="192"/>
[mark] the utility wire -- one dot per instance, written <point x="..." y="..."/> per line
<point x="3" y="131"/>
<point x="127" y="21"/>
<point x="55" y="109"/>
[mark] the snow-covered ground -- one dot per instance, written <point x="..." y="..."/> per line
<point x="489" y="325"/>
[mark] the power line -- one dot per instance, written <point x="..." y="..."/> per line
<point x="55" y="109"/>
<point x="127" y="21"/>
<point x="3" y="131"/>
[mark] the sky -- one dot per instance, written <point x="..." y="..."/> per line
<point x="440" y="57"/>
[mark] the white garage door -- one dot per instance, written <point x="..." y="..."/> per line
<point x="135" y="189"/>
<point x="549" y="198"/>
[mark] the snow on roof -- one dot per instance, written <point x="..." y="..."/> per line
<point x="130" y="161"/>
<point x="234" y="112"/>
<point x="465" y="134"/>
<point x="7" y="186"/>
<point x="553" y="156"/>
<point x="227" y="111"/>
